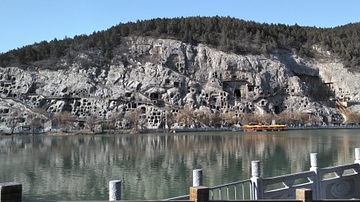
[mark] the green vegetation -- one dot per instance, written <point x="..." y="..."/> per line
<point x="225" y="33"/>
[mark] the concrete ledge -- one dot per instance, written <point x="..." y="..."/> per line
<point x="10" y="192"/>
<point x="10" y="187"/>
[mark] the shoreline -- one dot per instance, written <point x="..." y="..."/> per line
<point x="178" y="130"/>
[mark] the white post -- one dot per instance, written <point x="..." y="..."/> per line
<point x="115" y="190"/>
<point x="314" y="160"/>
<point x="256" y="181"/>
<point x="357" y="155"/>
<point x="197" y="178"/>
<point x="317" y="178"/>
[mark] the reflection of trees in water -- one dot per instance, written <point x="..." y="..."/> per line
<point x="155" y="165"/>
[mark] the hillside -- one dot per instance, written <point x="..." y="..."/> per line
<point x="226" y="34"/>
<point x="192" y="72"/>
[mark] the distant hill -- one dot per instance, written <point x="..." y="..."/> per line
<point x="224" y="33"/>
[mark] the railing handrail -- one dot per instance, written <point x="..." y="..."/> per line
<point x="184" y="197"/>
<point x="331" y="169"/>
<point x="230" y="184"/>
<point x="283" y="178"/>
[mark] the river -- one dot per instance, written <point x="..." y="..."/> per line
<point x="159" y="166"/>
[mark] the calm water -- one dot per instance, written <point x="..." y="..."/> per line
<point x="158" y="166"/>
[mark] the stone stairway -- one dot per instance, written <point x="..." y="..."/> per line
<point x="340" y="107"/>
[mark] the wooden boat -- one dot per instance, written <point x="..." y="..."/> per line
<point x="259" y="127"/>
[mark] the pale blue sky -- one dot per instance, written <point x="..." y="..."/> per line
<point x="23" y="22"/>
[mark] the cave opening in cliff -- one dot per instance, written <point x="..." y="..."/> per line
<point x="277" y="109"/>
<point x="237" y="93"/>
<point x="143" y="110"/>
<point x="154" y="96"/>
<point x="215" y="75"/>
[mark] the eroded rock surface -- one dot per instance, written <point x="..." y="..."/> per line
<point x="158" y="75"/>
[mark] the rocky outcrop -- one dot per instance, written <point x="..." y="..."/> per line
<point x="160" y="75"/>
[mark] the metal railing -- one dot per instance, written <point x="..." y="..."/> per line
<point x="231" y="191"/>
<point x="239" y="190"/>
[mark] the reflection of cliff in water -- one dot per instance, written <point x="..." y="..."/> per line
<point x="158" y="166"/>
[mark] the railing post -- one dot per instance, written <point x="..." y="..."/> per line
<point x="199" y="194"/>
<point x="256" y="181"/>
<point x="304" y="195"/>
<point x="115" y="190"/>
<point x="10" y="192"/>
<point x="317" y="178"/>
<point x="197" y="178"/>
<point x="357" y="155"/>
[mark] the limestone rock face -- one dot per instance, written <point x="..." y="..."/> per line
<point x="160" y="75"/>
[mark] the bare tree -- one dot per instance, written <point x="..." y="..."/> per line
<point x="318" y="120"/>
<point x="169" y="119"/>
<point x="248" y="118"/>
<point x="91" y="122"/>
<point x="228" y="117"/>
<point x="186" y="117"/>
<point x="203" y="117"/>
<point x="36" y="122"/>
<point x="265" y="118"/>
<point x="64" y="120"/>
<point x="303" y="118"/>
<point x="352" y="118"/>
<point x="133" y="117"/>
<point x="13" y="121"/>
<point x="215" y="119"/>
<point x="142" y="121"/>
<point x="116" y="117"/>
<point x="294" y="117"/>
<point x="242" y="118"/>
<point x="288" y="117"/>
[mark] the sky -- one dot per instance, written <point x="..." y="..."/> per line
<point x="24" y="22"/>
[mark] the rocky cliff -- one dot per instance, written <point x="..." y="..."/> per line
<point x="164" y="75"/>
